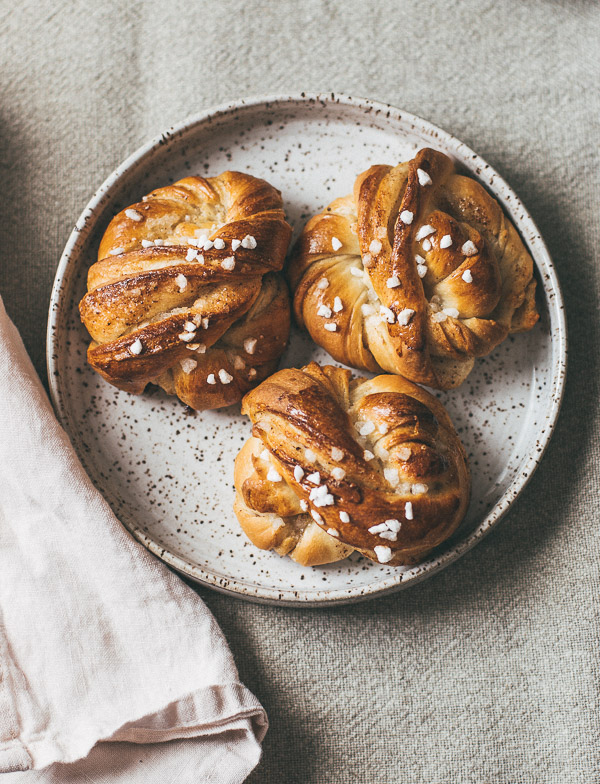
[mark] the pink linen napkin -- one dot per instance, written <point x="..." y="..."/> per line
<point x="111" y="668"/>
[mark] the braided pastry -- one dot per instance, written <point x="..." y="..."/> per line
<point x="184" y="293"/>
<point x="336" y="465"/>
<point x="417" y="273"/>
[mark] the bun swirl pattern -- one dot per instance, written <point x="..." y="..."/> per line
<point x="418" y="273"/>
<point x="185" y="292"/>
<point x="336" y="465"/>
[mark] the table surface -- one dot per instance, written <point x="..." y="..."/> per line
<point x="487" y="672"/>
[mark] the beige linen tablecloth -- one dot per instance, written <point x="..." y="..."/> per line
<point x="489" y="671"/>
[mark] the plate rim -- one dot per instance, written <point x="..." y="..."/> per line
<point x="559" y="351"/>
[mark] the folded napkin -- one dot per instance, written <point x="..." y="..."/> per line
<point x="111" y="668"/>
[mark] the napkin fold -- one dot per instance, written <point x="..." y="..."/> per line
<point x="111" y="668"/>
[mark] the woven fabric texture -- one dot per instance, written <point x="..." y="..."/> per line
<point x="489" y="671"/>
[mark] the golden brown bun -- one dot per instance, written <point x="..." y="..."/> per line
<point x="296" y="535"/>
<point x="487" y="288"/>
<point x="176" y="315"/>
<point x="319" y="420"/>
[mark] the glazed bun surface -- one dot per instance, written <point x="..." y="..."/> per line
<point x="417" y="273"/>
<point x="186" y="292"/>
<point x="336" y="465"/>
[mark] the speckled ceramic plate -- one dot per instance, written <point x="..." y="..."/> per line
<point x="168" y="475"/>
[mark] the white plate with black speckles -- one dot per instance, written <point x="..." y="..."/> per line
<point x="169" y="476"/>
